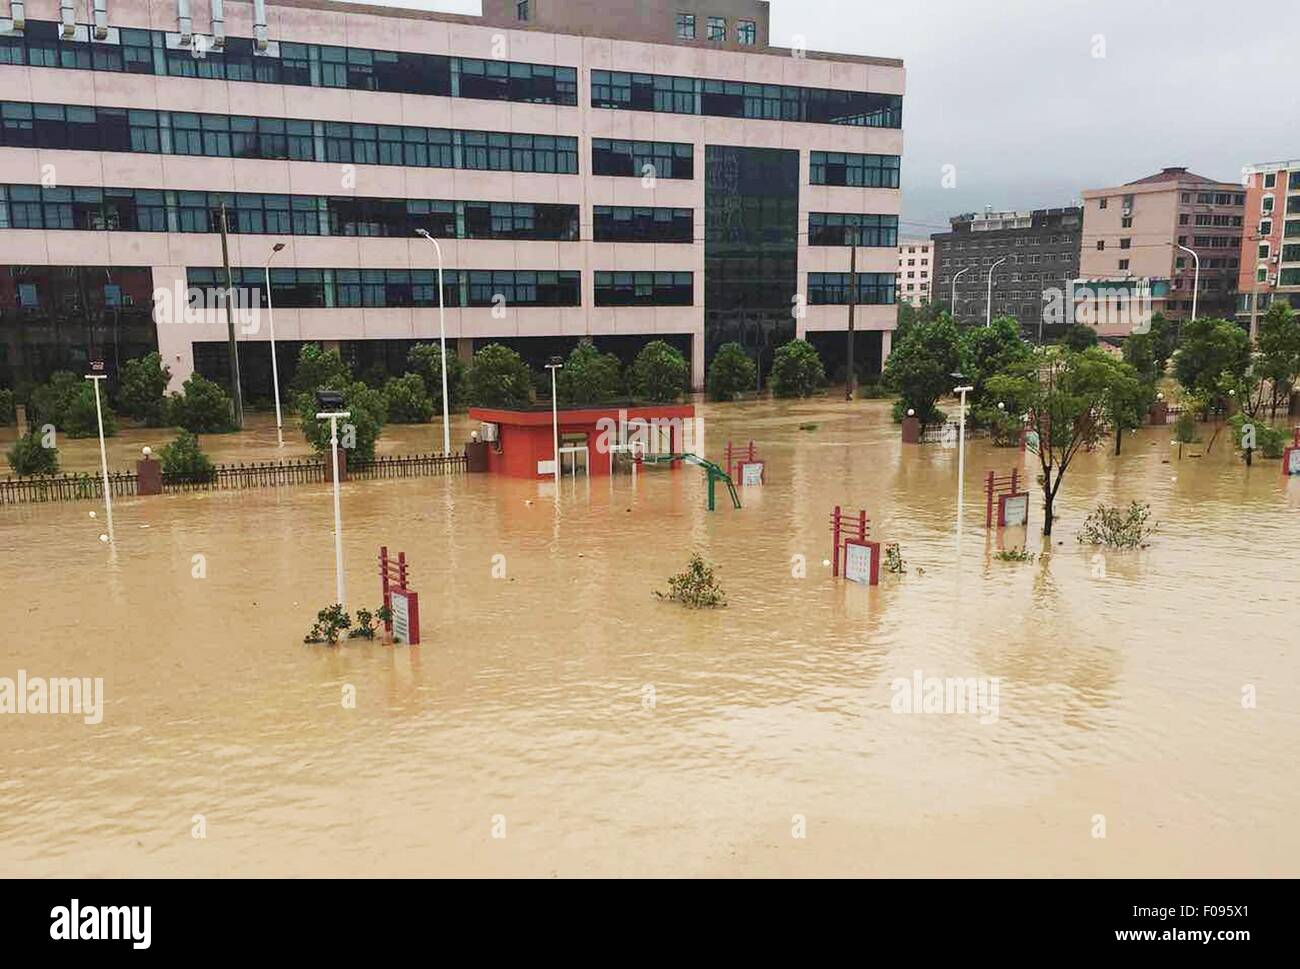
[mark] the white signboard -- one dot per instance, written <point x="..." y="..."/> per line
<point x="857" y="563"/>
<point x="401" y="617"/>
<point x="546" y="467"/>
<point x="1293" y="462"/>
<point x="751" y="473"/>
<point x="1017" y="510"/>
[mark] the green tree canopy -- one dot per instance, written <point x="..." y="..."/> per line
<point x="367" y="409"/>
<point x="203" y="408"/>
<point x="1212" y="351"/>
<point x="407" y="400"/>
<point x="1078" y="336"/>
<point x="921" y="366"/>
<point x="142" y="389"/>
<point x="659" y="374"/>
<point x="425" y="359"/>
<point x="589" y="377"/>
<point x="318" y="368"/>
<point x="1279" y="351"/>
<point x="498" y="377"/>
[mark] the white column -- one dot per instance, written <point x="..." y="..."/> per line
<point x="697" y="360"/>
<point x="886" y="346"/>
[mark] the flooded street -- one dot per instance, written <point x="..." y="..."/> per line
<point x="605" y="732"/>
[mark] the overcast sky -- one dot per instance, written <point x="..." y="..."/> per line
<point x="1011" y="94"/>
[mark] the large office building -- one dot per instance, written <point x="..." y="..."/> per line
<point x="1270" y="244"/>
<point x="1161" y="233"/>
<point x="1005" y="263"/>
<point x="606" y="168"/>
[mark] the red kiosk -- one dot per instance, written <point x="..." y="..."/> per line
<point x="521" y="442"/>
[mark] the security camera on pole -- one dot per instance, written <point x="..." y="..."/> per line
<point x="334" y="399"/>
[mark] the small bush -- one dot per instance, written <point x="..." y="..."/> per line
<point x="894" y="559"/>
<point x="1185" y="427"/>
<point x="183" y="456"/>
<point x="408" y="401"/>
<point x="695" y="587"/>
<point x="1110" y="527"/>
<point x="318" y="368"/>
<point x="731" y="372"/>
<point x="28" y="457"/>
<point x="329" y="623"/>
<point x="203" y="408"/>
<point x="797" y="370"/>
<point x="1013" y="555"/>
<point x="1258" y="435"/>
<point x="365" y="627"/>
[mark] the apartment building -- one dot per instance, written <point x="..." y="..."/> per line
<point x="1270" y="246"/>
<point x="606" y="168"/>
<point x="1153" y="234"/>
<point x="915" y="271"/>
<point x="1027" y="254"/>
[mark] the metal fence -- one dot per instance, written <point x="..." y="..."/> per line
<point x="65" y="487"/>
<point x="225" y="477"/>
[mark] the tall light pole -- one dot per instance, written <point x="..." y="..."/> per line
<point x="988" y="306"/>
<point x="554" y="364"/>
<point x="275" y="368"/>
<point x="442" y="344"/>
<point x="1196" y="279"/>
<point x="94" y="379"/>
<point x="338" y="514"/>
<point x="952" y="307"/>
<point x="964" y="389"/>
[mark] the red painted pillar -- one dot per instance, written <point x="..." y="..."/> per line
<point x="383" y="582"/>
<point x="835" y="542"/>
<point x="988" y="501"/>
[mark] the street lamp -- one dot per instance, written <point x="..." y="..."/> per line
<point x="554" y="364"/>
<point x="1196" y="280"/>
<point x="94" y="379"/>
<point x="442" y="344"/>
<point x="963" y="389"/>
<point x="334" y="399"/>
<point x="953" y="302"/>
<point x="988" y="311"/>
<point x="275" y="368"/>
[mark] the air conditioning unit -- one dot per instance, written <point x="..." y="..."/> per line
<point x="1273" y="259"/>
<point x="1272" y="279"/>
<point x="488" y="432"/>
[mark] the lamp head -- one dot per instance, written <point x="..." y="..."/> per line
<point x="277" y="247"/>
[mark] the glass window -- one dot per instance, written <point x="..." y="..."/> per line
<point x="746" y="32"/>
<point x="686" y="26"/>
<point x="717" y="28"/>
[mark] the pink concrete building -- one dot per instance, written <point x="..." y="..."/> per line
<point x="619" y="170"/>
<point x="1270" y="246"/>
<point x="1153" y="234"/>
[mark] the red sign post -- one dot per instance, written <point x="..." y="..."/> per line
<point x="861" y="557"/>
<point x="1291" y="456"/>
<point x="403" y="605"/>
<point x="1003" y="491"/>
<point x="743" y="461"/>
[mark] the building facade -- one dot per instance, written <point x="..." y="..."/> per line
<point x="1270" y="246"/>
<point x="1028" y="254"/>
<point x="915" y="271"/>
<point x="1132" y="234"/>
<point x="625" y="171"/>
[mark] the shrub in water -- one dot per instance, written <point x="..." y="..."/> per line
<point x="797" y="370"/>
<point x="142" y="389"/>
<point x="1110" y="527"/>
<point x="204" y="407"/>
<point x="425" y="359"/>
<point x="28" y="457"/>
<point x="731" y="372"/>
<point x="329" y="623"/>
<point x="358" y="433"/>
<point x="183" y="456"/>
<point x="1013" y="555"/>
<point x="894" y="561"/>
<point x="695" y="587"/>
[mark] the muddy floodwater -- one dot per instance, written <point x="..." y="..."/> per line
<point x="559" y="720"/>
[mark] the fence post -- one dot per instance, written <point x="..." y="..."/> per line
<point x="383" y="578"/>
<point x="835" y="542"/>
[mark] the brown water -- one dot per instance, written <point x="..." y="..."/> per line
<point x="526" y="706"/>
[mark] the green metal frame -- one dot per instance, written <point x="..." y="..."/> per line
<point x="714" y="472"/>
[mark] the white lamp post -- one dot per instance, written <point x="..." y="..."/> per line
<point x="952" y="308"/>
<point x="338" y="513"/>
<point x="1196" y="279"/>
<point x="988" y="310"/>
<point x="442" y="344"/>
<point x="555" y="364"/>
<point x="275" y="368"/>
<point x="961" y="454"/>
<point x="94" y="379"/>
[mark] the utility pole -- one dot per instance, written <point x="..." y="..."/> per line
<point x="235" y="390"/>
<point x="849" y="380"/>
